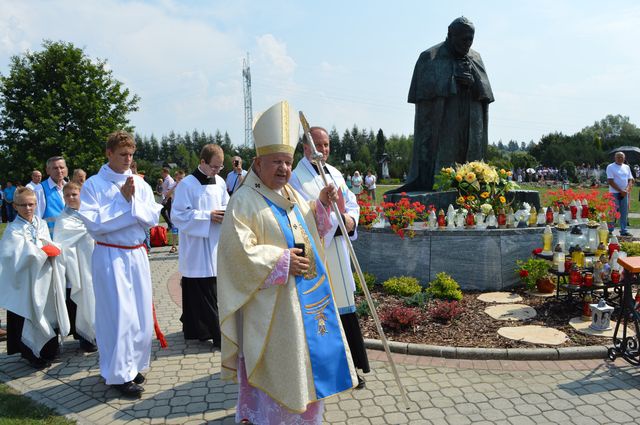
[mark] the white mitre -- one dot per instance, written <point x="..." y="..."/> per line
<point x="276" y="130"/>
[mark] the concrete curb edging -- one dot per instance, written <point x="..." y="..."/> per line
<point x="563" y="353"/>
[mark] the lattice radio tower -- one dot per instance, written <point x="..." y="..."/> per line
<point x="248" y="110"/>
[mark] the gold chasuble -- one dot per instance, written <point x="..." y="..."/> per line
<point x="267" y="325"/>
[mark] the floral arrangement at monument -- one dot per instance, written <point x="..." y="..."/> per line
<point x="601" y="204"/>
<point x="402" y="214"/>
<point x="480" y="186"/>
<point x="368" y="212"/>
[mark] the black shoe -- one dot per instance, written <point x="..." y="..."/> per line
<point x="87" y="347"/>
<point x="361" y="383"/>
<point x="139" y="379"/>
<point x="38" y="363"/>
<point x="130" y="389"/>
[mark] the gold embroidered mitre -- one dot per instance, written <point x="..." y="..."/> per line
<point x="276" y="130"/>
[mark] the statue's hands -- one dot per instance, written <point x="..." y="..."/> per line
<point x="463" y="72"/>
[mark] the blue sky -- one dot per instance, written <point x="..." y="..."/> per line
<point x="553" y="65"/>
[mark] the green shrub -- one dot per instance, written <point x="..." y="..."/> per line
<point x="631" y="248"/>
<point x="405" y="286"/>
<point x="444" y="288"/>
<point x="417" y="300"/>
<point x="362" y="309"/>
<point x="369" y="278"/>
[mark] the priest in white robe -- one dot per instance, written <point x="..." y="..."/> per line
<point x="75" y="267"/>
<point x="281" y="334"/>
<point x="31" y="289"/>
<point x="36" y="185"/>
<point x="197" y="211"/>
<point x="117" y="207"/>
<point x="307" y="180"/>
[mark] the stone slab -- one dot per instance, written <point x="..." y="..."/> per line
<point x="511" y="312"/>
<point x="534" y="334"/>
<point x="542" y="294"/>
<point x="482" y="260"/>
<point x="583" y="327"/>
<point x="500" y="297"/>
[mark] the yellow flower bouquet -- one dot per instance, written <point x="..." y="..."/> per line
<point x="479" y="185"/>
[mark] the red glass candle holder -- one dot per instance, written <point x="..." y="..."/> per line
<point x="588" y="279"/>
<point x="585" y="212"/>
<point x="615" y="276"/>
<point x="574" y="212"/>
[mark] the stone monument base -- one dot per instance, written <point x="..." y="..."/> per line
<point x="444" y="199"/>
<point x="482" y="260"/>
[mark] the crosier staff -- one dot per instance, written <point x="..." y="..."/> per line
<point x="318" y="158"/>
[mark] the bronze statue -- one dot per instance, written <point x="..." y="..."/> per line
<point x="451" y="91"/>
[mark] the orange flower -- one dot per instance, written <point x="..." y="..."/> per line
<point x="503" y="200"/>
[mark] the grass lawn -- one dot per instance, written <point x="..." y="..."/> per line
<point x="16" y="409"/>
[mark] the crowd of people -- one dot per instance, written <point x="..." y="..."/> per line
<point x="265" y="269"/>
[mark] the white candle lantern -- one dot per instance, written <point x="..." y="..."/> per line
<point x="600" y="316"/>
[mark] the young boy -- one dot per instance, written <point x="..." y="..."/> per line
<point x="77" y="248"/>
<point x="36" y="310"/>
<point x="117" y="207"/>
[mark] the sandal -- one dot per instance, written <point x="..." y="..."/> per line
<point x="173" y="250"/>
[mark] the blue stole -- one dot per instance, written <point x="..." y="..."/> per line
<point x="54" y="205"/>
<point x="329" y="364"/>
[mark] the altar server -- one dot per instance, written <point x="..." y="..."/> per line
<point x="198" y="208"/>
<point x="31" y="289"/>
<point x="75" y="267"/>
<point x="117" y="207"/>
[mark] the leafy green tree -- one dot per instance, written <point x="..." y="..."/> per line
<point x="58" y="101"/>
<point x="523" y="160"/>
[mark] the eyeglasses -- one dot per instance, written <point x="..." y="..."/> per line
<point x="26" y="205"/>
<point x="216" y="167"/>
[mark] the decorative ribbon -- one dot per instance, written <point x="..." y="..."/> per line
<point x="329" y="364"/>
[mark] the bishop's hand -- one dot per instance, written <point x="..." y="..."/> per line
<point x="298" y="264"/>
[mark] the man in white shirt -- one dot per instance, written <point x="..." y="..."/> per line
<point x="198" y="209"/>
<point x="118" y="207"/>
<point x="370" y="184"/>
<point x="36" y="186"/>
<point x="167" y="184"/>
<point x="620" y="182"/>
<point x="236" y="175"/>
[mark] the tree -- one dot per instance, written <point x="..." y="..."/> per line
<point x="60" y="102"/>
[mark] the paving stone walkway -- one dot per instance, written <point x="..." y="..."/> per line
<point x="183" y="385"/>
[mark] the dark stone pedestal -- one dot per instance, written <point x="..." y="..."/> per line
<point x="482" y="260"/>
<point x="444" y="199"/>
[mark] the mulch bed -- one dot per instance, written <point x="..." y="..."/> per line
<point x="475" y="328"/>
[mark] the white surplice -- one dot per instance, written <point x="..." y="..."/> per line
<point x="191" y="214"/>
<point x="309" y="183"/>
<point x="75" y="261"/>
<point x="29" y="283"/>
<point x="37" y="189"/>
<point x="121" y="277"/>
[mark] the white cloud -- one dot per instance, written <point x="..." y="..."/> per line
<point x="274" y="54"/>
